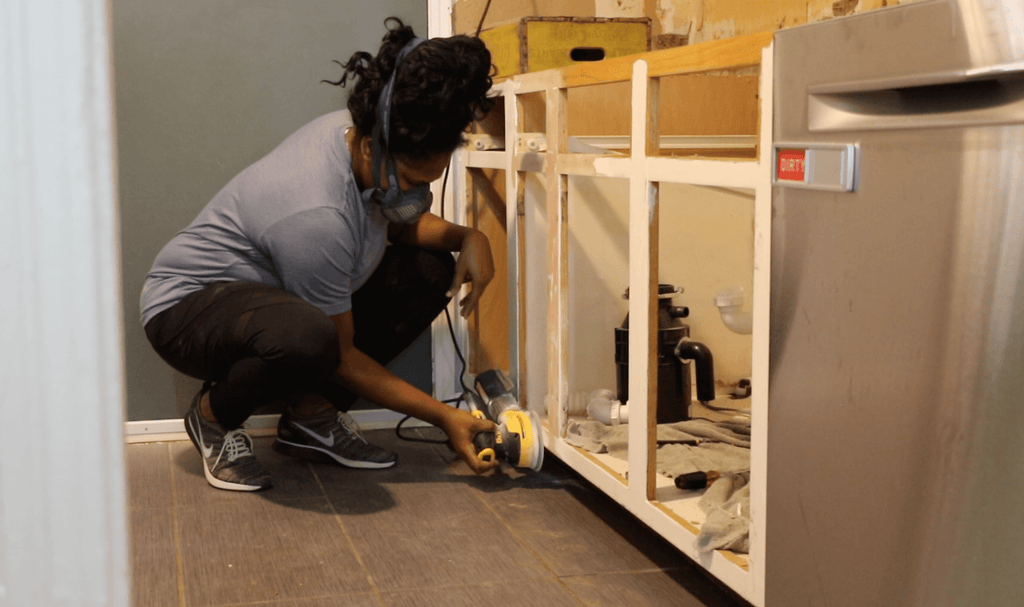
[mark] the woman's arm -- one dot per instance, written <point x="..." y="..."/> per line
<point x="475" y="264"/>
<point x="368" y="378"/>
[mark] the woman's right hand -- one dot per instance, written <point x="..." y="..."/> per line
<point x="461" y="427"/>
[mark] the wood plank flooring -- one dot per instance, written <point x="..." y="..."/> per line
<point x="426" y="532"/>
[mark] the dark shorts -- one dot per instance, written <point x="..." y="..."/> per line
<point x="259" y="345"/>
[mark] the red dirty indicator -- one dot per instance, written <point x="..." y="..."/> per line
<point x="790" y="165"/>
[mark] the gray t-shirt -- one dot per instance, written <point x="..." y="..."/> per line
<point x="293" y="220"/>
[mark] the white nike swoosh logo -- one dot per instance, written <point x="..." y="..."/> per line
<point x="328" y="440"/>
<point x="207" y="451"/>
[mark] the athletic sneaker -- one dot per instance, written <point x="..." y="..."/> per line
<point x="330" y="436"/>
<point x="228" y="461"/>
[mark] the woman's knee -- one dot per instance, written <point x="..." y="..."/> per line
<point x="306" y="341"/>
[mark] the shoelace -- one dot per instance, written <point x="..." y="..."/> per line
<point x="349" y="423"/>
<point x="236" y="444"/>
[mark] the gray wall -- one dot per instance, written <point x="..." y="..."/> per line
<point x="203" y="89"/>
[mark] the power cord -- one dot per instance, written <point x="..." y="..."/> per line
<point x="457" y="400"/>
<point x="455" y="342"/>
<point x="451" y="330"/>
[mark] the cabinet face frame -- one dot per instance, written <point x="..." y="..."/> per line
<point x="645" y="170"/>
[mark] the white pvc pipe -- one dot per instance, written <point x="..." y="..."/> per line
<point x="605" y="409"/>
<point x="730" y="304"/>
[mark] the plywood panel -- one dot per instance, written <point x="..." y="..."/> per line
<point x="489" y="346"/>
<point x="701" y="104"/>
<point x="694" y="104"/>
<point x="532" y="113"/>
<point x="599" y="110"/>
<point x="730" y="18"/>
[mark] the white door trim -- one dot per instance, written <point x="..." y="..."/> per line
<point x="63" y="525"/>
<point x="446" y="366"/>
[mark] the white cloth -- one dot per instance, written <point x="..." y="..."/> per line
<point x="724" y="448"/>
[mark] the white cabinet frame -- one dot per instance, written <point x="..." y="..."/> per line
<point x="645" y="170"/>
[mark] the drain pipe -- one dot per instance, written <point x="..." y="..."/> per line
<point x="729" y="302"/>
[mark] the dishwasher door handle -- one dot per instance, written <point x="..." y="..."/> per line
<point x="990" y="95"/>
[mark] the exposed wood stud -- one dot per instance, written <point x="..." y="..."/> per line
<point x="519" y="329"/>
<point x="651" y="148"/>
<point x="558" y="262"/>
<point x="513" y="232"/>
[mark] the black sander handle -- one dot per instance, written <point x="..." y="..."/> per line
<point x="484" y="444"/>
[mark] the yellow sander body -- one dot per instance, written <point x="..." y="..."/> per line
<point x="518" y="439"/>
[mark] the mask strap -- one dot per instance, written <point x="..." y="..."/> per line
<point x="382" y="127"/>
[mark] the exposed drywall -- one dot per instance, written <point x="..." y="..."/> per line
<point x="466" y="14"/>
<point x="698" y="20"/>
<point x="688" y="102"/>
<point x="703" y="20"/>
<point x="619" y="8"/>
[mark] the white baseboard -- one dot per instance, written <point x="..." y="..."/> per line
<point x="168" y="430"/>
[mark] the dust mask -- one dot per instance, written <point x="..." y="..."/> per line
<point x="395" y="205"/>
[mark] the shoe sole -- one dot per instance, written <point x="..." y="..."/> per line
<point x="219" y="484"/>
<point x="323" y="455"/>
<point x="210" y="478"/>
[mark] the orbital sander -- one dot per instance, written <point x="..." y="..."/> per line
<point x="518" y="439"/>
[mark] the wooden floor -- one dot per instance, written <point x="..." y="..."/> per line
<point x="426" y="532"/>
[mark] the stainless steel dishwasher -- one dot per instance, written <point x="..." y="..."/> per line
<point x="896" y="426"/>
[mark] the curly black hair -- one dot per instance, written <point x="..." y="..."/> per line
<point x="440" y="89"/>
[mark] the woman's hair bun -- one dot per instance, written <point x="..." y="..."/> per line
<point x="441" y="87"/>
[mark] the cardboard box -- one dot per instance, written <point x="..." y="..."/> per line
<point x="541" y="43"/>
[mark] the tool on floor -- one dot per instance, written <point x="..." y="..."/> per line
<point x="518" y="440"/>
<point x="697" y="480"/>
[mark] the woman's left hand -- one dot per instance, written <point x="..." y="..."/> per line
<point x="474" y="266"/>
